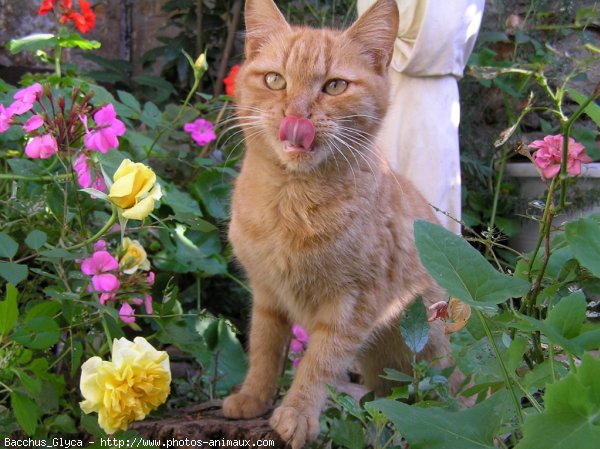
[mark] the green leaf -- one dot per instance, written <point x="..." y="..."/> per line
<point x="46" y="309"/>
<point x="129" y="100"/>
<point x="151" y="115"/>
<point x="36" y="239"/>
<point x="33" y="43"/>
<point x="13" y="272"/>
<point x="75" y="40"/>
<point x="32" y="384"/>
<point x="393" y="374"/>
<point x="9" y="312"/>
<point x="8" y="246"/>
<point x="435" y="428"/>
<point x="181" y="202"/>
<point x="592" y="110"/>
<point x="347" y="434"/>
<point x="460" y="269"/>
<point x="414" y="326"/>
<point x="26" y="412"/>
<point x="583" y="236"/>
<point x="37" y="333"/>
<point x="568" y="316"/>
<point x="570" y="417"/>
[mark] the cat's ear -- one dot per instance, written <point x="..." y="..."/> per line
<point x="263" y="21"/>
<point x="376" y="32"/>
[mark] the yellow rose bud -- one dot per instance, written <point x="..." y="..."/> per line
<point x="126" y="389"/>
<point x="200" y="63"/>
<point x="135" y="190"/>
<point x="134" y="257"/>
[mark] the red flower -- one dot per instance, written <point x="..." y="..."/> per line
<point x="84" y="21"/>
<point x="229" y="81"/>
<point x="46" y="7"/>
<point x="89" y="18"/>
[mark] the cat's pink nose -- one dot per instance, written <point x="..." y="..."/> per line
<point x="297" y="133"/>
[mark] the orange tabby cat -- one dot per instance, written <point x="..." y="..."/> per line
<point x="321" y="225"/>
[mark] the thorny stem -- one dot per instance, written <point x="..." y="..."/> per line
<point x="503" y="368"/>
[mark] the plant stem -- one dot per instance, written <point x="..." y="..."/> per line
<point x="178" y="116"/>
<point x="566" y="132"/>
<point x="34" y="178"/>
<point x="238" y="282"/>
<point x="57" y="56"/>
<point x="503" y="368"/>
<point x="111" y="221"/>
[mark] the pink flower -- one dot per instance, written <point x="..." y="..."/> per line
<point x="299" y="343"/>
<point x="104" y="297"/>
<point x="548" y="156"/>
<point x="82" y="168"/>
<point x="97" y="266"/>
<point x="148" y="304"/>
<point x="100" y="245"/>
<point x="201" y="130"/>
<point x="150" y="278"/>
<point x="99" y="183"/>
<point x="300" y="334"/>
<point x="105" y="282"/>
<point x="100" y="262"/>
<point x="41" y="147"/>
<point x="25" y="98"/>
<point x="126" y="314"/>
<point x="34" y="122"/>
<point x="108" y="128"/>
<point x="5" y="116"/>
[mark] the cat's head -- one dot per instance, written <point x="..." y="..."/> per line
<point x="307" y="94"/>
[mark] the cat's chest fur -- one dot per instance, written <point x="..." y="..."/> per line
<point x="300" y="236"/>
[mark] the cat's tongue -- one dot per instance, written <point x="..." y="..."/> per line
<point x="296" y="133"/>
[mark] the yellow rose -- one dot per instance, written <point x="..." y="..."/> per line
<point x="135" y="190"/>
<point x="134" y="257"/>
<point x="126" y="389"/>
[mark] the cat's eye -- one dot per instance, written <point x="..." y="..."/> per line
<point x="335" y="87"/>
<point x="274" y="81"/>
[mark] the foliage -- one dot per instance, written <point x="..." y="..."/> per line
<point x="54" y="315"/>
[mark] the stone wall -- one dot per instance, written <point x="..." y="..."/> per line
<point x="126" y="29"/>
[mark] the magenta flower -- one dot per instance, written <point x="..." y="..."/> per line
<point x="300" y="334"/>
<point x="148" y="304"/>
<point x="97" y="266"/>
<point x="201" y="130"/>
<point x="41" y="147"/>
<point x="34" y="122"/>
<point x="5" y="117"/>
<point x="104" y="297"/>
<point x="126" y="313"/>
<point x="82" y="168"/>
<point x="108" y="128"/>
<point x="548" y="156"/>
<point x="299" y="343"/>
<point x="25" y="98"/>
<point x="99" y="183"/>
<point x="150" y="278"/>
<point x="100" y="245"/>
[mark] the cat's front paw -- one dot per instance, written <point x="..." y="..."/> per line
<point x="244" y="406"/>
<point x="294" y="426"/>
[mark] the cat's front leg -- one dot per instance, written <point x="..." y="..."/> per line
<point x="269" y="336"/>
<point x="330" y="352"/>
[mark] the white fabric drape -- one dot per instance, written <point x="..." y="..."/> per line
<point x="420" y="132"/>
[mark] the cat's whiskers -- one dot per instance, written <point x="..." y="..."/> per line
<point x="354" y="152"/>
<point x="333" y="145"/>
